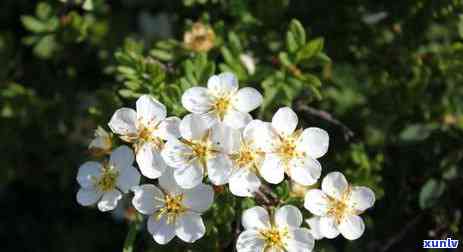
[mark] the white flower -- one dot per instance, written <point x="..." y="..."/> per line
<point x="282" y="234"/>
<point x="292" y="151"/>
<point x="247" y="157"/>
<point x="197" y="153"/>
<point x="314" y="224"/>
<point x="105" y="182"/>
<point x="338" y="205"/>
<point x="173" y="210"/>
<point x="146" y="128"/>
<point x="222" y="101"/>
<point x="101" y="143"/>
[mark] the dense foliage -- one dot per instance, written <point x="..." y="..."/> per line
<point x="384" y="80"/>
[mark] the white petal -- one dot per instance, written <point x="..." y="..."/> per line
<point x="300" y="240"/>
<point x="150" y="111"/>
<point x="162" y="231"/>
<point x="128" y="178"/>
<point x="88" y="173"/>
<point x="351" y="227"/>
<point x="150" y="162"/>
<point x="305" y="171"/>
<point x="361" y="198"/>
<point x="147" y="198"/>
<point x="226" y="138"/>
<point x="251" y="130"/>
<point x="250" y="241"/>
<point x="193" y="127"/>
<point x="197" y="100"/>
<point x="236" y="119"/>
<point x="223" y="84"/>
<point x="316" y="202"/>
<point x="123" y="122"/>
<point x="247" y="99"/>
<point x="219" y="169"/>
<point x="334" y="184"/>
<point x="272" y="169"/>
<point x="314" y="224"/>
<point x="314" y="142"/>
<point x="255" y="218"/>
<point x="109" y="200"/>
<point x="168" y="183"/>
<point x="288" y="215"/>
<point x="243" y="183"/>
<point x="121" y="157"/>
<point x="189" y="176"/>
<point x="284" y="121"/>
<point x="264" y="137"/>
<point x="88" y="196"/>
<point x="176" y="154"/>
<point x="199" y="198"/>
<point x="190" y="227"/>
<point x="169" y="128"/>
<point x="328" y="227"/>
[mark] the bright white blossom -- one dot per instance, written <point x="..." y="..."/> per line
<point x="147" y="128"/>
<point x="247" y="157"/>
<point x="338" y="205"/>
<point x="249" y="63"/>
<point x="282" y="233"/>
<point x="314" y="224"/>
<point x="198" y="152"/>
<point x="222" y="101"/>
<point x="105" y="182"/>
<point x="173" y="211"/>
<point x="101" y="143"/>
<point x="292" y="151"/>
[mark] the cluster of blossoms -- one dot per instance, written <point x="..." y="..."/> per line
<point x="220" y="141"/>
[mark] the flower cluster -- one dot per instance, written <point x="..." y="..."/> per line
<point x="219" y="142"/>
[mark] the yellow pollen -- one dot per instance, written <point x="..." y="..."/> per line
<point x="221" y="106"/>
<point x="246" y="157"/>
<point x="287" y="147"/>
<point x="339" y="208"/>
<point x="274" y="237"/>
<point x="173" y="208"/>
<point x="108" y="179"/>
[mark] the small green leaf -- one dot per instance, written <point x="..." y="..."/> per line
<point x="298" y="31"/>
<point x="430" y="193"/>
<point x="43" y="11"/>
<point x="45" y="47"/>
<point x="313" y="48"/>
<point x="33" y="24"/>
<point x="88" y="5"/>
<point x="417" y="132"/>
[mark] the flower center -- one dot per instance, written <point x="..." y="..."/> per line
<point x="339" y="208"/>
<point x="287" y="146"/>
<point x="173" y="208"/>
<point x="274" y="237"/>
<point x="221" y="106"/>
<point x="246" y="157"/>
<point x="107" y="181"/>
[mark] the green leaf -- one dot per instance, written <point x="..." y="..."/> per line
<point x="311" y="49"/>
<point x="430" y="193"/>
<point x="161" y="54"/>
<point x="235" y="43"/>
<point x="33" y="24"/>
<point x="45" y="47"/>
<point x="43" y="11"/>
<point x="291" y="43"/>
<point x="417" y="132"/>
<point x="298" y="32"/>
<point x="88" y="5"/>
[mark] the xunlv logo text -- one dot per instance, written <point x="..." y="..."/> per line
<point x="449" y="243"/>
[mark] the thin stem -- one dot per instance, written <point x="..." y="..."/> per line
<point x="131" y="236"/>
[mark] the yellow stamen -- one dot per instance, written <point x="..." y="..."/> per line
<point x="274" y="237"/>
<point x="173" y="208"/>
<point x="108" y="179"/>
<point x="287" y="147"/>
<point x="221" y="106"/>
<point x="339" y="208"/>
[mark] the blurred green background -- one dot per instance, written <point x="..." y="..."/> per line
<point x="386" y="82"/>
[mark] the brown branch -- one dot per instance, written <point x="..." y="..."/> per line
<point x="348" y="133"/>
